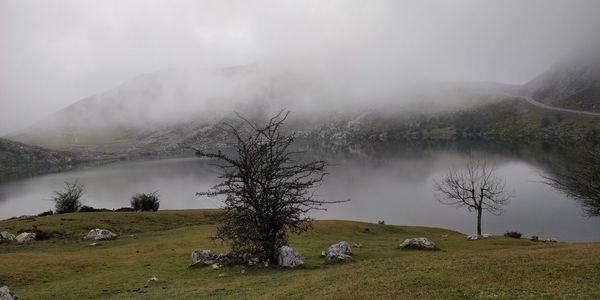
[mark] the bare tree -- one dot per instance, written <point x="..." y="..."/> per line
<point x="268" y="192"/>
<point x="476" y="187"/>
<point x="580" y="179"/>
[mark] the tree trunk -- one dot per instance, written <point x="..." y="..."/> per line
<point x="479" y="211"/>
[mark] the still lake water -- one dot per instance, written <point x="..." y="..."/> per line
<point x="394" y="188"/>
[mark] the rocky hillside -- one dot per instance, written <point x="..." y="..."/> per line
<point x="17" y="159"/>
<point x="573" y="82"/>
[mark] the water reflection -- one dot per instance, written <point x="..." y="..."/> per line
<point x="385" y="183"/>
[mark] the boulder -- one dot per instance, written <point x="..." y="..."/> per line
<point x="5" y="235"/>
<point x="418" y="243"/>
<point x="6" y="294"/>
<point x="101" y="234"/>
<point x="205" y="257"/>
<point x="338" y="251"/>
<point x="25" y="237"/>
<point x="289" y="257"/>
<point x="472" y="237"/>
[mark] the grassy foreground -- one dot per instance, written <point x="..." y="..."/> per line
<point x="159" y="244"/>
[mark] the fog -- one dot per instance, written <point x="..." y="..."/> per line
<point x="53" y="54"/>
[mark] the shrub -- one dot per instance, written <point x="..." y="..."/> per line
<point x="145" y="202"/>
<point x="46" y="213"/>
<point x="86" y="208"/>
<point x="124" y="209"/>
<point x="535" y="238"/>
<point x="68" y="200"/>
<point x="513" y="234"/>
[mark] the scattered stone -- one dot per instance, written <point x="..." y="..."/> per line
<point x="339" y="251"/>
<point x="94" y="244"/>
<point x="222" y="275"/>
<point x="266" y="264"/>
<point x="205" y="257"/>
<point x="101" y="234"/>
<point x="25" y="237"/>
<point x="357" y="245"/>
<point x="146" y="286"/>
<point x="216" y="266"/>
<point x="6" y="294"/>
<point x="243" y="271"/>
<point x="444" y="235"/>
<point x="486" y="235"/>
<point x="418" y="243"/>
<point x="153" y="279"/>
<point x="5" y="235"/>
<point x="289" y="257"/>
<point x="472" y="237"/>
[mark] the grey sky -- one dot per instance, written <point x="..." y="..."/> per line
<point x="53" y="53"/>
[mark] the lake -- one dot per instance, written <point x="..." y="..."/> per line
<point x="393" y="186"/>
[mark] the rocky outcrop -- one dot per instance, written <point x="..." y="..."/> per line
<point x="339" y="251"/>
<point x="6" y="294"/>
<point x="101" y="234"/>
<point x="5" y="235"/>
<point x="25" y="237"/>
<point x="289" y="257"/>
<point x="472" y="237"/>
<point x="418" y="243"/>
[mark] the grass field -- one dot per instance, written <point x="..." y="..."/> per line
<point x="159" y="244"/>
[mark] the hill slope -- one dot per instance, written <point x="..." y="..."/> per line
<point x="573" y="82"/>
<point x="17" y="159"/>
<point x="159" y="244"/>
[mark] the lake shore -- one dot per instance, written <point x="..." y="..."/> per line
<point x="159" y="244"/>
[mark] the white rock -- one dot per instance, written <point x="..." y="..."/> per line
<point x="6" y="294"/>
<point x="25" y="237"/>
<point x="153" y="279"/>
<point x="5" y="235"/>
<point x="486" y="235"/>
<point x="206" y="257"/>
<point x="289" y="257"/>
<point x="472" y="237"/>
<point x="216" y="266"/>
<point x="338" y="251"/>
<point x="101" y="234"/>
<point x="418" y="243"/>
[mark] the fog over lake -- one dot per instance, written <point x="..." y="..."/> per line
<point x="396" y="188"/>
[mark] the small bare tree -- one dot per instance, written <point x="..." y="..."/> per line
<point x="267" y="192"/>
<point x="580" y="179"/>
<point x="476" y="187"/>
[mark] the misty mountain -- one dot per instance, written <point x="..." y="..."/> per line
<point x="572" y="82"/>
<point x="168" y="111"/>
<point x="17" y="159"/>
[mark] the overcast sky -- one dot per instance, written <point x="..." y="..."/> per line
<point x="53" y="53"/>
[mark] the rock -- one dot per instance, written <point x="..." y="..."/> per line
<point x="205" y="257"/>
<point x="222" y="275"/>
<point x="6" y="294"/>
<point x="472" y="237"/>
<point x="486" y="235"/>
<point x="418" y="243"/>
<point x="289" y="257"/>
<point x="216" y="266"/>
<point x="93" y="244"/>
<point x="338" y="251"/>
<point x="25" y="237"/>
<point x="101" y="234"/>
<point x="5" y="235"/>
<point x="153" y="279"/>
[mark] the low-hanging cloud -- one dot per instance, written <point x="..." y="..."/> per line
<point x="53" y="54"/>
